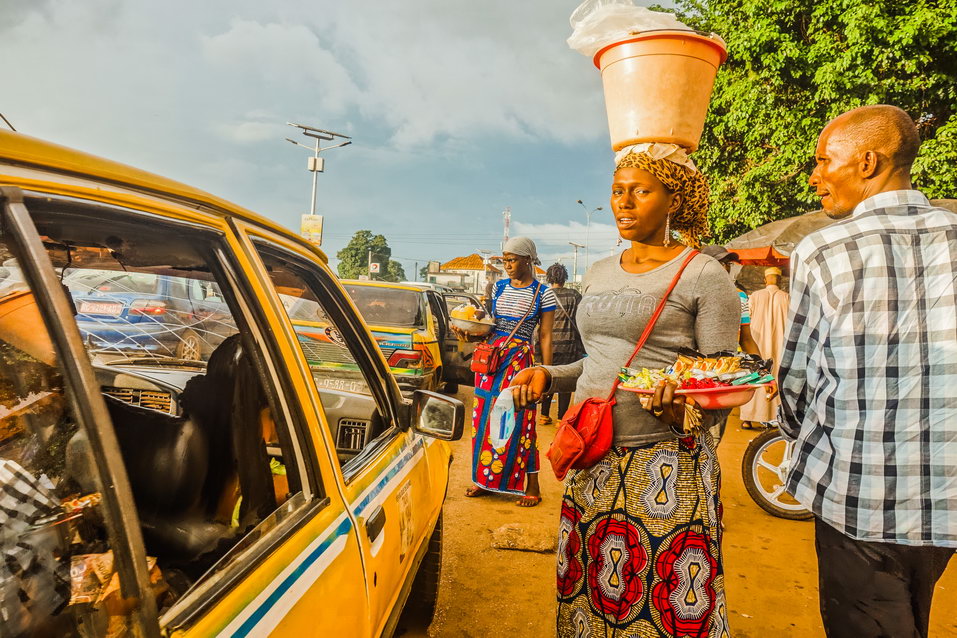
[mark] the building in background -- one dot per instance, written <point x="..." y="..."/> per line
<point x="471" y="273"/>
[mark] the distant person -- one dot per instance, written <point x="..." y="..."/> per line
<point x="566" y="342"/>
<point x="520" y="303"/>
<point x="769" y="310"/>
<point x="867" y="380"/>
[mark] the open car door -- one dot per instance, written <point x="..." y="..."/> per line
<point x="457" y="355"/>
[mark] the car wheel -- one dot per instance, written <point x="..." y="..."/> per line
<point x="190" y="347"/>
<point x="420" y="608"/>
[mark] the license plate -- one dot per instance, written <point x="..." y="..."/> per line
<point x="100" y="308"/>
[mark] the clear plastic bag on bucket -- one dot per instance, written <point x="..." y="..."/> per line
<point x="598" y="23"/>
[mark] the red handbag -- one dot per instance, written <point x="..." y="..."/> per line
<point x="585" y="434"/>
<point x="487" y="359"/>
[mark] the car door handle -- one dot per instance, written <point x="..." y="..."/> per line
<point x="375" y="524"/>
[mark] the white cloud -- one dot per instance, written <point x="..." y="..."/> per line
<point x="286" y="60"/>
<point x="441" y="69"/>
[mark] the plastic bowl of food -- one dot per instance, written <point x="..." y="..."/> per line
<point x="477" y="328"/>
<point x="719" y="398"/>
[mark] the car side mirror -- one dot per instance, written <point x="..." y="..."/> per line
<point x="437" y="415"/>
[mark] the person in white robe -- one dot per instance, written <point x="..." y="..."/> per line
<point x="769" y="311"/>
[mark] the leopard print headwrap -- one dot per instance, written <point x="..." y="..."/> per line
<point x="690" y="222"/>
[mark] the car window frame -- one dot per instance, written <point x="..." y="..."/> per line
<point x="89" y="408"/>
<point x="343" y="313"/>
<point x="226" y="269"/>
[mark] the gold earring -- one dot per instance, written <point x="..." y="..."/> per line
<point x="667" y="240"/>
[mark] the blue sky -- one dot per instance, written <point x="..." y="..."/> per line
<point x="457" y="109"/>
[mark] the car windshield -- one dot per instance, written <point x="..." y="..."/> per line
<point x="394" y="307"/>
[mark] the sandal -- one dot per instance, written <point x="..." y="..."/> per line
<point x="545" y="420"/>
<point x="475" y="491"/>
<point x="528" y="501"/>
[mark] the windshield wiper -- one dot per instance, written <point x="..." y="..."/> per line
<point x="157" y="361"/>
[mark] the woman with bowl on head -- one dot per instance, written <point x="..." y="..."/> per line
<point x="520" y="303"/>
<point x="639" y="538"/>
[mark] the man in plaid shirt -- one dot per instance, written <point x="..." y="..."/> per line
<point x="869" y="379"/>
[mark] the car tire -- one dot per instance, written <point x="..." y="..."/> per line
<point x="190" y="346"/>
<point x="420" y="608"/>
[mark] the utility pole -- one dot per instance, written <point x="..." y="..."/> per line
<point x="575" y="262"/>
<point x="507" y="214"/>
<point x="369" y="265"/>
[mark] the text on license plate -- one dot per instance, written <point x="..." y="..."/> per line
<point x="100" y="308"/>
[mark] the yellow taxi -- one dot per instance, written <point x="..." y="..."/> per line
<point x="410" y="323"/>
<point x="172" y="462"/>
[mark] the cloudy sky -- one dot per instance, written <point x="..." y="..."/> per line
<point x="457" y="109"/>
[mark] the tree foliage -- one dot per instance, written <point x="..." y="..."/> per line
<point x="354" y="258"/>
<point x="795" y="64"/>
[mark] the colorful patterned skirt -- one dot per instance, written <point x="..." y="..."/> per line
<point x="639" y="548"/>
<point x="503" y="469"/>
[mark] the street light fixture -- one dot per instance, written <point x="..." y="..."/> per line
<point x="587" y="227"/>
<point x="316" y="164"/>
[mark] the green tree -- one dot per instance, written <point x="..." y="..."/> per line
<point x="354" y="258"/>
<point x="795" y="64"/>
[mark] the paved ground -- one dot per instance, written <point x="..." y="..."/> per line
<point x="770" y="564"/>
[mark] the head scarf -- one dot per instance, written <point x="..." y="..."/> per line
<point x="690" y="221"/>
<point x="523" y="247"/>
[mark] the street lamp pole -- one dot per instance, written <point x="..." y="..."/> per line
<point x="587" y="227"/>
<point x="315" y="163"/>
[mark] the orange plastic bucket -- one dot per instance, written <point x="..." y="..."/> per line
<point x="658" y="86"/>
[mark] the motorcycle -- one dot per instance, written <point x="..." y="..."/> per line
<point x="764" y="469"/>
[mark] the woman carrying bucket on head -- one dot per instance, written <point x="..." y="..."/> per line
<point x="639" y="537"/>
<point x="639" y="548"/>
<point x="507" y="460"/>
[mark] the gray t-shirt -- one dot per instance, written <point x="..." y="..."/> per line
<point x="702" y="312"/>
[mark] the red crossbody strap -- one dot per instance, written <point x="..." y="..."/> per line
<point x="653" y="320"/>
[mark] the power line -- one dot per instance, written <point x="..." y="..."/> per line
<point x="8" y="123"/>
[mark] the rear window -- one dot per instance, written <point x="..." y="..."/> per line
<point x="109" y="281"/>
<point x="388" y="306"/>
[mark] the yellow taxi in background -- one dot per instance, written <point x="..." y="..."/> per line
<point x="216" y="488"/>
<point x="411" y="325"/>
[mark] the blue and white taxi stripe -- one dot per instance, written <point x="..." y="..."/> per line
<point x="266" y="611"/>
<point x="374" y="495"/>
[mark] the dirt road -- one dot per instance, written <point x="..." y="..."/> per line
<point x="769" y="562"/>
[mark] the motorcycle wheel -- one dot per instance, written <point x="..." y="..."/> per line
<point x="763" y="468"/>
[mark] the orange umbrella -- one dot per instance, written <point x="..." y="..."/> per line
<point x="762" y="256"/>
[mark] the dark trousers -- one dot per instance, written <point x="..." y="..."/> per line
<point x="871" y="590"/>
<point x="564" y="399"/>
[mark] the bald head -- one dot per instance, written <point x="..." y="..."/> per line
<point x="883" y="128"/>
<point x="861" y="153"/>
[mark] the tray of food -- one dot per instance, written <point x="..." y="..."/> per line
<point x="721" y="380"/>
<point x="471" y="320"/>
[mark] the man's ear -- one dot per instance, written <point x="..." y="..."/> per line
<point x="868" y="164"/>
